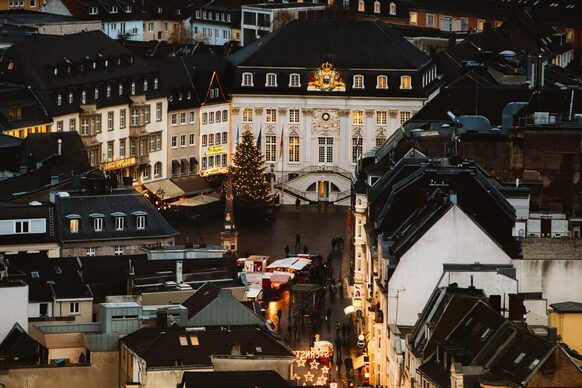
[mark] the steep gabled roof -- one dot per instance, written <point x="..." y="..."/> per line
<point x="201" y="298"/>
<point x="567" y="307"/>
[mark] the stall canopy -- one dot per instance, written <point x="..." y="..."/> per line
<point x="166" y="186"/>
<point x="198" y="200"/>
<point x="360" y="361"/>
<point x="293" y="263"/>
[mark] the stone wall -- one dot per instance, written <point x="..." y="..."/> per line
<point x="538" y="248"/>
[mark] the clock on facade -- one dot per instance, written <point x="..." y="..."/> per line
<point x="325" y="116"/>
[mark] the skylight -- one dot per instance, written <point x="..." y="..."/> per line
<point x="519" y="358"/>
<point x="534" y="363"/>
<point x="34" y="274"/>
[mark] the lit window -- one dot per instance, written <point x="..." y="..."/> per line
<point x="358" y="82"/>
<point x="405" y="82"/>
<point x="480" y="24"/>
<point x="293" y="115"/>
<point x="413" y="18"/>
<point x="294" y="81"/>
<point x="392" y="9"/>
<point x="74" y="225"/>
<point x="358" y="117"/>
<point x="294" y="148"/>
<point x="270" y="148"/>
<point x="382" y="82"/>
<point x="381" y="117"/>
<point x="247" y="79"/>
<point x="376" y="7"/>
<point x="361" y="6"/>
<point x="519" y="358"/>
<point x="247" y="115"/>
<point x="90" y="251"/>
<point x="404" y="117"/>
<point x="271" y="115"/>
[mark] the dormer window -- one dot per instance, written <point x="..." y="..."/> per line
<point x="392" y="9"/>
<point x="133" y="88"/>
<point x="405" y="82"/>
<point x="106" y="63"/>
<point x="140" y="219"/>
<point x="73" y="222"/>
<point x="59" y="99"/>
<point x="156" y="83"/>
<point x="83" y="97"/>
<point x="381" y="82"/>
<point x="271" y="80"/>
<point x="358" y="82"/>
<point x="145" y="85"/>
<point x="376" y="7"/>
<point x="160" y="10"/>
<point x="55" y="70"/>
<point x="361" y="6"/>
<point x="247" y="79"/>
<point x="98" y="224"/>
<point x="93" y="10"/>
<point x="120" y="88"/>
<point x="108" y="90"/>
<point x="113" y="9"/>
<point x="70" y="97"/>
<point x="96" y="93"/>
<point x="128" y="8"/>
<point x="119" y="222"/>
<point x="294" y="81"/>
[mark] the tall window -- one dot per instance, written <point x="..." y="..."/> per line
<point x="247" y="79"/>
<point x="361" y="6"/>
<point x="413" y="18"/>
<point x="293" y="115"/>
<point x="382" y="82"/>
<point x="404" y="117"/>
<point x="158" y="169"/>
<point x="325" y="149"/>
<point x="480" y="24"/>
<point x="110" y="121"/>
<point x="392" y="9"/>
<point x="74" y="225"/>
<point x="358" y="82"/>
<point x="122" y="148"/>
<point x="293" y="148"/>
<point x="271" y="148"/>
<point x="140" y="222"/>
<point x="358" y="117"/>
<point x="294" y="81"/>
<point x="381" y="117"/>
<point x="98" y="224"/>
<point x="217" y="115"/>
<point x="204" y="118"/>
<point x="224" y="115"/>
<point x="122" y="114"/>
<point x="405" y="82"/>
<point x="271" y="115"/>
<point x="247" y="115"/>
<point x="376" y="6"/>
<point x="159" y="111"/>
<point x="271" y="79"/>
<point x="357" y="143"/>
<point x="119" y="223"/>
<point x="110" y="150"/>
<point x="84" y="126"/>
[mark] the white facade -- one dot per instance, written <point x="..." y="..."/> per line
<point x="214" y="138"/>
<point x="216" y="34"/>
<point x="13" y="304"/>
<point x="322" y="136"/>
<point x="126" y="29"/>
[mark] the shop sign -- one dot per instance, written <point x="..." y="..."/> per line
<point x="117" y="164"/>
<point x="214" y="150"/>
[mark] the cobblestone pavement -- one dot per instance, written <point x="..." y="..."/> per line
<point x="317" y="225"/>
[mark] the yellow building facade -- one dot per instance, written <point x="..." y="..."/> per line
<point x="24" y="132"/>
<point x="567" y="318"/>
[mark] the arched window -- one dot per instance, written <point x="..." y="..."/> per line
<point x="405" y="82"/>
<point x="392" y="9"/>
<point x="247" y="79"/>
<point x="358" y="82"/>
<point x="376" y="7"/>
<point x="294" y="80"/>
<point x="381" y="82"/>
<point x="271" y="80"/>
<point x="361" y="6"/>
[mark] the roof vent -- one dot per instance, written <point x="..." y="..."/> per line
<point x="35" y="203"/>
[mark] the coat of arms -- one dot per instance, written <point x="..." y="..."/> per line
<point x="326" y="79"/>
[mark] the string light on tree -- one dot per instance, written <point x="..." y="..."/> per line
<point x="248" y="176"/>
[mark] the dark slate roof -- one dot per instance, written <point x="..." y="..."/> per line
<point x="567" y="307"/>
<point x="160" y="347"/>
<point x="434" y="371"/>
<point x="24" y="211"/>
<point x="49" y="279"/>
<point x="126" y="201"/>
<point x="140" y="10"/>
<point x="512" y="353"/>
<point x="239" y="379"/>
<point x="445" y="308"/>
<point x="303" y="43"/>
<point x="201" y="298"/>
<point x="19" y="346"/>
<point x="25" y="17"/>
<point x="15" y="96"/>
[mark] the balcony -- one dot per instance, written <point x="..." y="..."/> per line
<point x="137" y="131"/>
<point x="89" y="140"/>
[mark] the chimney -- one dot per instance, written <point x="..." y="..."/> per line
<point x="162" y="318"/>
<point x="179" y="278"/>
<point x="59" y="147"/>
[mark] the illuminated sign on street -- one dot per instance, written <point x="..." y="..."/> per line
<point x="215" y="150"/>
<point x="116" y="164"/>
<point x="214" y="171"/>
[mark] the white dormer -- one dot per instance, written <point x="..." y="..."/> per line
<point x="247" y="79"/>
<point x="358" y="82"/>
<point x="392" y="9"/>
<point x="271" y="80"/>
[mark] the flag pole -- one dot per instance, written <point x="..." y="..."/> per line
<point x="282" y="160"/>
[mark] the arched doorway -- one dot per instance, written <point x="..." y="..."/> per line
<point x="323" y="190"/>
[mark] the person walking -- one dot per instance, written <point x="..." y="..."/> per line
<point x="305" y="250"/>
<point x="333" y="244"/>
<point x="287" y="250"/>
<point x="338" y="328"/>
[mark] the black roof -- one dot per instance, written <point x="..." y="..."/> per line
<point x="238" y="379"/>
<point x="160" y="347"/>
<point x="24" y="211"/>
<point x="353" y="44"/>
<point x="25" y="17"/>
<point x="139" y="10"/>
<point x="19" y="347"/>
<point x="49" y="279"/>
<point x="201" y="298"/>
<point x="126" y="203"/>
<point x="567" y="307"/>
<point x="32" y="111"/>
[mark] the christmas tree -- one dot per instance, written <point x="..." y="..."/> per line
<point x="248" y="177"/>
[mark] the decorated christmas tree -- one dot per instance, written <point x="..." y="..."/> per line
<point x="248" y="177"/>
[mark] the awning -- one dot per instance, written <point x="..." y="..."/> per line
<point x="360" y="361"/>
<point x="175" y="163"/>
<point x="197" y="201"/>
<point x="253" y="292"/>
<point x="294" y="263"/>
<point x="169" y="189"/>
<point x="279" y="279"/>
<point x="193" y="184"/>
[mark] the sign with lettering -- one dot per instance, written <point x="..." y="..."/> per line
<point x="215" y="150"/>
<point x="116" y="164"/>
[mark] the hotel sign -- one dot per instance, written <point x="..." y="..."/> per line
<point x="214" y="150"/>
<point x="117" y="164"/>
